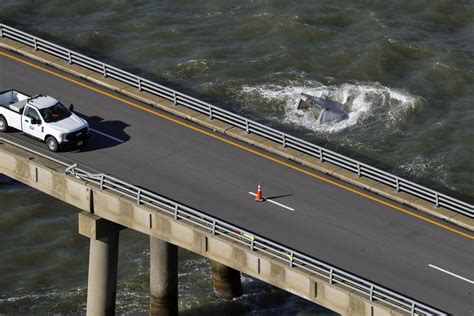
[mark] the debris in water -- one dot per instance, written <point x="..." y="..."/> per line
<point x="325" y="111"/>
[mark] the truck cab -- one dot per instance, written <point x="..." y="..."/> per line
<point x="42" y="117"/>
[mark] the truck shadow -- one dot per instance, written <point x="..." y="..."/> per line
<point x="103" y="133"/>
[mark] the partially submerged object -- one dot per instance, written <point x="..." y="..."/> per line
<point x="325" y="111"/>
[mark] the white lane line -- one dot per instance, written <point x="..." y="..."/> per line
<point x="271" y="201"/>
<point x="106" y="135"/>
<point x="450" y="273"/>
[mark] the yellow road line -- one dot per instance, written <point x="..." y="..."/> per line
<point x="311" y="174"/>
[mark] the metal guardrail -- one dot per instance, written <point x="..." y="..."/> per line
<point x="324" y="155"/>
<point x="246" y="238"/>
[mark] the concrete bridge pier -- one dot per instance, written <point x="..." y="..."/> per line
<point x="103" y="255"/>
<point x="226" y="281"/>
<point x="102" y="281"/>
<point x="163" y="278"/>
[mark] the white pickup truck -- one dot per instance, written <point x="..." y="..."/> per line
<point x="42" y="117"/>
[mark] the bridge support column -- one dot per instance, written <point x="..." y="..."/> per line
<point x="163" y="278"/>
<point x="102" y="279"/>
<point x="226" y="281"/>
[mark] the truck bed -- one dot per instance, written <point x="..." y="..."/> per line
<point x="12" y="103"/>
<point x="13" y="100"/>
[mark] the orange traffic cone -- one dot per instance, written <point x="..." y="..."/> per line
<point x="259" y="197"/>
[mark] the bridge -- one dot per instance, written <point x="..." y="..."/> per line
<point x="333" y="230"/>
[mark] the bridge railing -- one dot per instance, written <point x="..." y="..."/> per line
<point x="213" y="112"/>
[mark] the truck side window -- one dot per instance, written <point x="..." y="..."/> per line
<point x="32" y="113"/>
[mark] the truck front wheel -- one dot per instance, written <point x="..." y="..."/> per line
<point x="52" y="144"/>
<point x="3" y="124"/>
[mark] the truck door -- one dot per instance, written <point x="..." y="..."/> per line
<point x="32" y="123"/>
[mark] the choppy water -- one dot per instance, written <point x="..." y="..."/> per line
<point x="404" y="70"/>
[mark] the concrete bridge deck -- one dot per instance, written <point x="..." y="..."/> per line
<point x="355" y="231"/>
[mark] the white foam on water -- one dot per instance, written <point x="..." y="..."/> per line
<point x="421" y="166"/>
<point x="364" y="103"/>
<point x="48" y="293"/>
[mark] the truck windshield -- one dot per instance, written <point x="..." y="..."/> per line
<point x="55" y="113"/>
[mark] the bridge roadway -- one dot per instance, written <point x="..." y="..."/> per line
<point x="332" y="224"/>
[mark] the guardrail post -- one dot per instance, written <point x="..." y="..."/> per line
<point x="139" y="84"/>
<point x="69" y="57"/>
<point x="291" y="260"/>
<point x="358" y="169"/>
<point x="210" y="113"/>
<point x="174" y="98"/>
<point x="139" y="195"/>
<point x="284" y="140"/>
<point x="35" y="43"/>
<point x="412" y="311"/>
<point x="330" y="275"/>
<point x="1" y="31"/>
<point x="213" y="228"/>
<point x="101" y="181"/>
<point x="104" y="70"/>
<point x="398" y="183"/>
<point x="176" y="212"/>
<point x="247" y="127"/>
<point x="371" y="296"/>
<point x="321" y="152"/>
<point x="437" y="199"/>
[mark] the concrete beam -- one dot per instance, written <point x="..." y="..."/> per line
<point x="44" y="175"/>
<point x="163" y="278"/>
<point x="95" y="227"/>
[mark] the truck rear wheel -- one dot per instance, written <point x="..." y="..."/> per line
<point x="3" y="124"/>
<point x="52" y="144"/>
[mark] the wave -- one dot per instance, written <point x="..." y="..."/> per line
<point x="193" y="66"/>
<point x="365" y="103"/>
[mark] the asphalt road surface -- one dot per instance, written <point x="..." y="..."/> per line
<point x="389" y="247"/>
